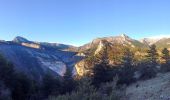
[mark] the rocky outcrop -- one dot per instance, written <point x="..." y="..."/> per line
<point x="31" y="45"/>
<point x="83" y="68"/>
<point x="99" y="47"/>
<point x="80" y="68"/>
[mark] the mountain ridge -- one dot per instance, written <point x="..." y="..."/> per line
<point x="57" y="57"/>
<point x="121" y="38"/>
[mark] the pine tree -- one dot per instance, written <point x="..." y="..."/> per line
<point x="127" y="72"/>
<point x="165" y="55"/>
<point x="152" y="55"/>
<point x="51" y="85"/>
<point x="166" y="59"/>
<point x="68" y="82"/>
<point x="101" y="68"/>
<point x="128" y="57"/>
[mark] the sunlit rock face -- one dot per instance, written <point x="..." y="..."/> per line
<point x="84" y="68"/>
<point x="80" y="68"/>
<point x="43" y="45"/>
<point x="81" y="54"/>
<point x="31" y="45"/>
<point x="99" y="48"/>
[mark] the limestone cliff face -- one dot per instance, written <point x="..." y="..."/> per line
<point x="31" y="45"/>
<point x="82" y="68"/>
<point x="99" y="48"/>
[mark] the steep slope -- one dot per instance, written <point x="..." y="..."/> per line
<point x="162" y="43"/>
<point x="154" y="89"/>
<point x="36" y="62"/>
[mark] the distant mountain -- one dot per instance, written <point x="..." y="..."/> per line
<point x="122" y="39"/>
<point x="34" y="59"/>
<point x="163" y="43"/>
<point x="160" y="42"/>
<point x="45" y="45"/>
<point x="149" y="41"/>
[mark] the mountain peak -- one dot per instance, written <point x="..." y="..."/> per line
<point x="124" y="36"/>
<point x="20" y="39"/>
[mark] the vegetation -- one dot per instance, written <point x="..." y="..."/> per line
<point x="165" y="56"/>
<point x="98" y="84"/>
<point x="18" y="84"/>
<point x="68" y="83"/>
<point x="165" y="60"/>
<point x="86" y="91"/>
<point x="152" y="55"/>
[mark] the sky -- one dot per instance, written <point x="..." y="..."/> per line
<point x="77" y="22"/>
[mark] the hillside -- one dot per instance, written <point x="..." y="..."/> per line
<point x="163" y="43"/>
<point x="35" y="60"/>
<point x="154" y="89"/>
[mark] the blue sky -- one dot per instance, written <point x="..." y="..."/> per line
<point x="79" y="21"/>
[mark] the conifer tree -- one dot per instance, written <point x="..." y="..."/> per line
<point x="165" y="55"/>
<point x="127" y="72"/>
<point x="51" y="85"/>
<point x="68" y="81"/>
<point x="128" y="57"/>
<point x="101" y="68"/>
<point x="152" y="55"/>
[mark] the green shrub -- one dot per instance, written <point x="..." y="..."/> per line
<point x="147" y="71"/>
<point x="85" y="91"/>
